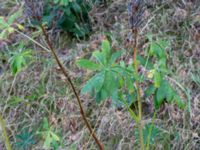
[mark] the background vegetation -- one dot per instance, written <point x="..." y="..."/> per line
<point x="94" y="41"/>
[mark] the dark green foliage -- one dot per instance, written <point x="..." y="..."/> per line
<point x="25" y="139"/>
<point x="110" y="76"/>
<point x="113" y="79"/>
<point x="165" y="93"/>
<point x="70" y="16"/>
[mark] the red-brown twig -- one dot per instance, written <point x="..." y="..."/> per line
<point x="98" y="142"/>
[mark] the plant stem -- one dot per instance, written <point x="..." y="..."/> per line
<point x="150" y="131"/>
<point x="140" y="125"/>
<point x="5" y="135"/>
<point x="133" y="115"/>
<point x="98" y="142"/>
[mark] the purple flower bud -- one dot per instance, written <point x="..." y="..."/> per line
<point x="136" y="10"/>
<point x="33" y="8"/>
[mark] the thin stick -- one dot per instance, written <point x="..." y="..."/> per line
<point x="98" y="142"/>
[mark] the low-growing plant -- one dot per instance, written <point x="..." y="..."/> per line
<point x="51" y="139"/>
<point x="117" y="80"/>
<point x="70" y="16"/>
<point x="25" y="139"/>
<point x="19" y="58"/>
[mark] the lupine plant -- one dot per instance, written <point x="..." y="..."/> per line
<point x="121" y="82"/>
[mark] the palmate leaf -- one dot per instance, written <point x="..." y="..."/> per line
<point x="25" y="140"/>
<point x="95" y="83"/>
<point x="87" y="64"/>
<point x="110" y="76"/>
<point x="158" y="48"/>
<point x="18" y="61"/>
<point x="166" y="93"/>
<point x="51" y="139"/>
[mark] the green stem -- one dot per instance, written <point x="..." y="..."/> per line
<point x="140" y="125"/>
<point x="133" y="115"/>
<point x="5" y="135"/>
<point x="150" y="131"/>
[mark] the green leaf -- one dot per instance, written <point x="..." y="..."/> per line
<point x="114" y="57"/>
<point x="105" y="47"/>
<point x="62" y="2"/>
<point x="19" y="59"/>
<point x="166" y="92"/>
<point x="157" y="50"/>
<point x="17" y="63"/>
<point x="129" y="84"/>
<point x="87" y="64"/>
<point x="158" y="99"/>
<point x="163" y="43"/>
<point x="161" y="94"/>
<point x="157" y="79"/>
<point x="110" y="82"/>
<point x="101" y="95"/>
<point x="150" y="90"/>
<point x="179" y="102"/>
<point x="162" y="63"/>
<point x="45" y="124"/>
<point x="144" y="62"/>
<point x="76" y="7"/>
<point x="54" y="136"/>
<point x="99" y="57"/>
<point x="25" y="139"/>
<point x="95" y="83"/>
<point x="48" y="140"/>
